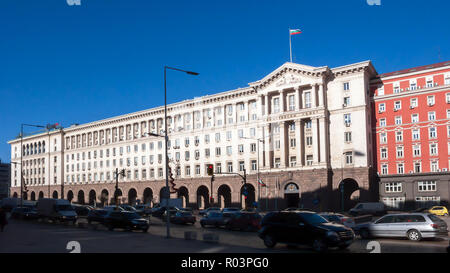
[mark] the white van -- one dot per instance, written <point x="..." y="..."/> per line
<point x="371" y="208"/>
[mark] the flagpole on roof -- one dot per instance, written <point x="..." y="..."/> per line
<point x="290" y="46"/>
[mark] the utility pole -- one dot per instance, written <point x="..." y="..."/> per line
<point x="116" y="193"/>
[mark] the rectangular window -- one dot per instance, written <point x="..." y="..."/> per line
<point x="433" y="149"/>
<point x="416" y="150"/>
<point x="432" y="132"/>
<point x="349" y="158"/>
<point x="427" y="186"/>
<point x="430" y="100"/>
<point x="416" y="134"/>
<point x="393" y="187"/>
<point x="347" y="119"/>
<point x="413" y="103"/>
<point x="400" y="168"/>
<point x="417" y="167"/>
<point x="348" y="137"/>
<point x="309" y="160"/>
<point x="307" y="99"/>
<point x="346" y="86"/>
<point x="383" y="137"/>
<point x="383" y="153"/>
<point x="399" y="151"/>
<point x="381" y="107"/>
<point x="434" y="166"/>
<point x="276" y="105"/>
<point x="382" y="122"/>
<point x="398" y="120"/>
<point x="254" y="165"/>
<point x="291" y="103"/>
<point x="397" y="105"/>
<point x="431" y="116"/>
<point x="399" y="136"/>
<point x="384" y="169"/>
<point x="346" y="101"/>
<point x="415" y="118"/>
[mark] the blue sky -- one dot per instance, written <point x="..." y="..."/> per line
<point x="77" y="64"/>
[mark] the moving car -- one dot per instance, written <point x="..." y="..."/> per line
<point x="82" y="210"/>
<point x="413" y="226"/>
<point x="26" y="213"/>
<point x="244" y="221"/>
<point x="147" y="209"/>
<point x="215" y="218"/>
<point x="132" y="209"/>
<point x="304" y="228"/>
<point x="56" y="210"/>
<point x="97" y="215"/>
<point x="231" y="209"/>
<point x="439" y="210"/>
<point x="338" y="218"/>
<point x="160" y="211"/>
<point x="205" y="211"/>
<point x="127" y="220"/>
<point x="371" y="208"/>
<point x="181" y="217"/>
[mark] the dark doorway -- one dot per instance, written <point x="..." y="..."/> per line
<point x="348" y="193"/>
<point x="55" y="195"/>
<point x="81" y="197"/>
<point x="104" y="197"/>
<point x="291" y="195"/>
<point x="247" y="196"/>
<point x="132" y="196"/>
<point x="202" y="197"/>
<point x="33" y="196"/>
<point x="70" y="196"/>
<point x="224" y="196"/>
<point x="183" y="193"/>
<point x="92" y="198"/>
<point x="148" y="196"/>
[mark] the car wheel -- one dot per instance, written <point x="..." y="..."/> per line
<point x="269" y="241"/>
<point x="319" y="245"/>
<point x="365" y="234"/>
<point x="414" y="235"/>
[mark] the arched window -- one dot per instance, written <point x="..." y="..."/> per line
<point x="39" y="151"/>
<point x="35" y="148"/>
<point x="23" y="150"/>
<point x="43" y="146"/>
<point x="28" y="149"/>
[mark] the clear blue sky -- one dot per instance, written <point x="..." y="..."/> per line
<point x="77" y="64"/>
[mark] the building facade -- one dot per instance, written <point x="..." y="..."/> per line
<point x="412" y="136"/>
<point x="303" y="130"/>
<point x="5" y="179"/>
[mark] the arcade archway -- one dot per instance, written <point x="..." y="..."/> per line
<point x="132" y="196"/>
<point x="183" y="193"/>
<point x="348" y="193"/>
<point x="80" y="197"/>
<point x="247" y="196"/>
<point x="224" y="196"/>
<point x="202" y="197"/>
<point x="92" y="197"/>
<point x="147" y="196"/>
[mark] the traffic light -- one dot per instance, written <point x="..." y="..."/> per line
<point x="210" y="169"/>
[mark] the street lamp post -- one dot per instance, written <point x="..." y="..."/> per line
<point x="166" y="137"/>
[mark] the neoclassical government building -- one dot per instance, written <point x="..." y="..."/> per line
<point x="305" y="130"/>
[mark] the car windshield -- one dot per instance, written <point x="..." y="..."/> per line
<point x="312" y="218"/>
<point x="64" y="207"/>
<point x="434" y="218"/>
<point x="213" y="214"/>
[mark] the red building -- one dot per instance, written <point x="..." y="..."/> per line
<point x="412" y="135"/>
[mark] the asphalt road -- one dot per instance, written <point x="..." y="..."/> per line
<point x="34" y="237"/>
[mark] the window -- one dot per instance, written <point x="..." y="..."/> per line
<point x="253" y="147"/>
<point x="219" y="168"/>
<point x="434" y="165"/>
<point x="432" y="132"/>
<point x="383" y="153"/>
<point x="346" y="101"/>
<point x="293" y="161"/>
<point x="415" y="118"/>
<point x="400" y="168"/>
<point x="277" y="163"/>
<point x="384" y="169"/>
<point x="347" y="119"/>
<point x="382" y="122"/>
<point x="415" y="134"/>
<point x="308" y="124"/>
<point x="381" y="107"/>
<point x="427" y="186"/>
<point x="197" y="169"/>
<point x="412" y="85"/>
<point x="448" y="96"/>
<point x="397" y="105"/>
<point x="218" y="151"/>
<point x="292" y="142"/>
<point x="254" y="165"/>
<point x="309" y="140"/>
<point x="399" y="136"/>
<point x="383" y="137"/>
<point x="392" y="202"/>
<point x="413" y="103"/>
<point x="396" y="88"/>
<point x="399" y="151"/>
<point x="230" y="167"/>
<point x="398" y="120"/>
<point x="393" y="187"/>
<point x="307" y="99"/>
<point x="229" y="135"/>
<point x="416" y="150"/>
<point x="276" y="105"/>
<point x="291" y="103"/>
<point x="417" y="167"/>
<point x="241" y="148"/>
<point x="309" y="160"/>
<point x="241" y="166"/>
<point x="346" y="86"/>
<point x="349" y="158"/>
<point x="433" y="149"/>
<point x="447" y="79"/>
<point x="217" y="137"/>
<point x="429" y="82"/>
<point x="381" y="91"/>
<point x="432" y="115"/>
<point x="430" y="100"/>
<point x="229" y="150"/>
<point x="348" y="136"/>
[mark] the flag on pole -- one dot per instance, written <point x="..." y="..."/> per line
<point x="262" y="183"/>
<point x="294" y="31"/>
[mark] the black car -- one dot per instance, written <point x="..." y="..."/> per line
<point x="215" y="218"/>
<point x="304" y="227"/>
<point x="160" y="211"/>
<point x="180" y="217"/>
<point x="82" y="210"/>
<point x="127" y="220"/>
<point x="205" y="211"/>
<point x="26" y="213"/>
<point x="97" y="215"/>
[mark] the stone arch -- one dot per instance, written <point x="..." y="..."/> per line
<point x="247" y="195"/>
<point x="80" y="199"/>
<point x="132" y="196"/>
<point x="202" y="197"/>
<point x="92" y="198"/>
<point x="118" y="194"/>
<point x="348" y="193"/>
<point x="291" y="194"/>
<point x="33" y="196"/>
<point x="41" y="195"/>
<point x="147" y="196"/>
<point x="15" y="195"/>
<point x="104" y="196"/>
<point x="224" y="196"/>
<point x="55" y="194"/>
<point x="70" y="195"/>
<point x="25" y="196"/>
<point x="183" y="193"/>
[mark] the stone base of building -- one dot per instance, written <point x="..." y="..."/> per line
<point x="435" y="190"/>
<point x="317" y="189"/>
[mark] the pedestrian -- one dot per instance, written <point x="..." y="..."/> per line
<point x="3" y="220"/>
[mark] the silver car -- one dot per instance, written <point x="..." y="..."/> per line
<point x="414" y="226"/>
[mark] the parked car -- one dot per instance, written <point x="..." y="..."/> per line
<point x="160" y="212"/>
<point x="181" y="217"/>
<point x="147" y="209"/>
<point x="304" y="227"/>
<point x="113" y="208"/>
<point x="25" y="213"/>
<point x="215" y="218"/>
<point x="97" y="215"/>
<point x="244" y="221"/>
<point x="205" y="211"/>
<point x="132" y="209"/>
<point x="371" y="208"/>
<point x="413" y="226"/>
<point x="56" y="209"/>
<point x="338" y="218"/>
<point x="230" y="210"/>
<point x="127" y="220"/>
<point x="439" y="211"/>
<point x="82" y="210"/>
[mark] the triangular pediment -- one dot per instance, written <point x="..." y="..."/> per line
<point x="290" y="74"/>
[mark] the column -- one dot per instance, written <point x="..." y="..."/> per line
<point x="267" y="159"/>
<point x="322" y="140"/>
<point x="313" y="95"/>
<point x="283" y="144"/>
<point x="247" y="111"/>
<point x="266" y="104"/>
<point x="315" y="139"/>
<point x="321" y="95"/>
<point x="259" y="106"/>
<point x="261" y="148"/>
<point x="297" y="98"/>
<point x="281" y="101"/>
<point x="299" y="141"/>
